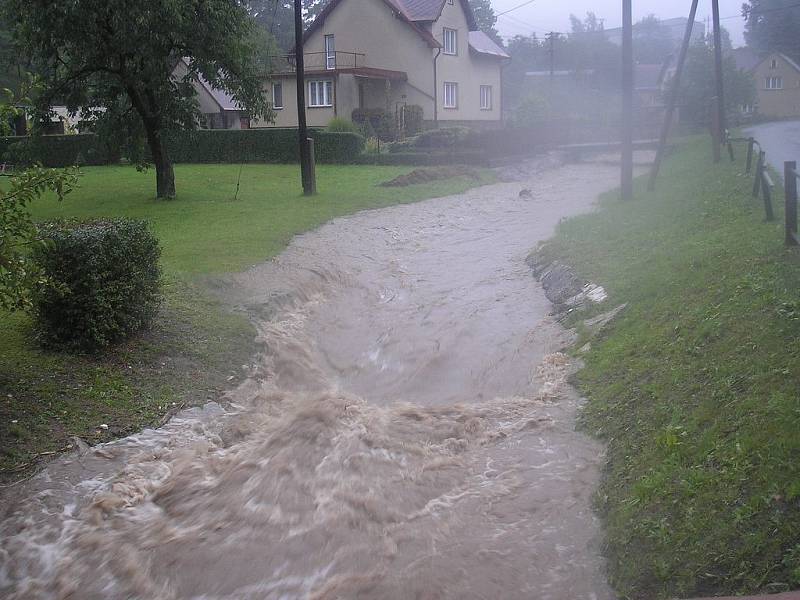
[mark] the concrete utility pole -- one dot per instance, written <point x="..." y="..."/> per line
<point x="627" y="100"/>
<point x="306" y="173"/>
<point x="673" y="98"/>
<point x="719" y="120"/>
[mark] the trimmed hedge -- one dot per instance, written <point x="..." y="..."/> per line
<point x="101" y="283"/>
<point x="58" y="150"/>
<point x="259" y="145"/>
<point x="200" y="146"/>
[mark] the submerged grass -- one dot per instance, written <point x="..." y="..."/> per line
<point x="696" y="387"/>
<point x="197" y="347"/>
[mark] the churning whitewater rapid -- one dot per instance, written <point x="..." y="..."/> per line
<point x="407" y="432"/>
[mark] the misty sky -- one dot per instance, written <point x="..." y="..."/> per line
<point x="546" y="15"/>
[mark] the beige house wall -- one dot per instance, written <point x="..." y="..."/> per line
<point x="370" y="28"/>
<point x="467" y="69"/>
<point x="778" y="103"/>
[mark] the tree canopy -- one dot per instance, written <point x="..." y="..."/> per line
<point x="698" y="86"/>
<point x="772" y="26"/>
<point x="115" y="59"/>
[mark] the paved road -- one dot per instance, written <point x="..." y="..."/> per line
<point x="780" y="140"/>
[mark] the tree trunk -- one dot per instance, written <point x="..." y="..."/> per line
<point x="165" y="175"/>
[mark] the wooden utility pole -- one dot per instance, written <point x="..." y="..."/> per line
<point x="551" y="37"/>
<point x="673" y="98"/>
<point x="627" y="100"/>
<point x="306" y="174"/>
<point x="719" y="121"/>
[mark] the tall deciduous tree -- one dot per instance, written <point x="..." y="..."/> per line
<point x="772" y="26"/>
<point x="485" y="18"/>
<point x="93" y="54"/>
<point x="697" y="87"/>
<point x="652" y="43"/>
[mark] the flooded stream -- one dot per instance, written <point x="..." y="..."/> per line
<point x="406" y="432"/>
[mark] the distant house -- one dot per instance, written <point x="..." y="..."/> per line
<point x="777" y="80"/>
<point x="219" y="109"/>
<point x="385" y="54"/>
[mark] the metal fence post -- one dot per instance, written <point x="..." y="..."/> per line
<point x="759" y="168"/>
<point x="790" y="185"/>
<point x="750" y="143"/>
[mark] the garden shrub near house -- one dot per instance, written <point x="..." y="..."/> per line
<point x="445" y="137"/>
<point x="340" y="125"/>
<point x="101" y="283"/>
<point x="376" y="120"/>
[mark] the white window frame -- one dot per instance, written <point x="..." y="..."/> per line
<point x="452" y="101"/>
<point x="275" y="105"/>
<point x="773" y="83"/>
<point x="450" y="41"/>
<point x="320" y="93"/>
<point x="330" y="52"/>
<point x="486" y="94"/>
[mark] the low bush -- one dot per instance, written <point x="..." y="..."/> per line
<point x="101" y="283"/>
<point x="340" y="125"/>
<point x="259" y="145"/>
<point x="445" y="137"/>
<point x="59" y="150"/>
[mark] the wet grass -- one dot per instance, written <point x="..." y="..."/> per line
<point x="197" y="347"/>
<point x="696" y="387"/>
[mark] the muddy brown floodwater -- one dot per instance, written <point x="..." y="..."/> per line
<point x="406" y="432"/>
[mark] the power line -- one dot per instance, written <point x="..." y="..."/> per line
<point x="515" y="8"/>
<point x="762" y="11"/>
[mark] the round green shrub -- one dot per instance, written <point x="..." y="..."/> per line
<point x="340" y="125"/>
<point x="101" y="283"/>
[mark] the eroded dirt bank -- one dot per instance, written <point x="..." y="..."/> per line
<point x="407" y="432"/>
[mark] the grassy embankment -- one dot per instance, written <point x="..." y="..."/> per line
<point x="696" y="387"/>
<point x="46" y="397"/>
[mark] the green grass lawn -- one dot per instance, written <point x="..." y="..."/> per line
<point x="696" y="387"/>
<point x="196" y="346"/>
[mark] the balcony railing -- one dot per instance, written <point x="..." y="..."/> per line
<point x="320" y="61"/>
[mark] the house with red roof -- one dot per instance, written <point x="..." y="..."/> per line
<point x="389" y="54"/>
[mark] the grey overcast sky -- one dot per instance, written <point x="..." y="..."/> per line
<point x="553" y="15"/>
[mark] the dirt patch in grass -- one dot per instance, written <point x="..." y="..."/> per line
<point x="195" y="350"/>
<point x="428" y="174"/>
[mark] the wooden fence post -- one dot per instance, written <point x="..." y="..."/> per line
<point x="766" y="186"/>
<point x="312" y="167"/>
<point x="759" y="167"/>
<point x="790" y="185"/>
<point x="750" y="143"/>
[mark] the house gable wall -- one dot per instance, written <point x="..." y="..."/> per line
<point x="778" y="103"/>
<point x="467" y="69"/>
<point x="369" y="27"/>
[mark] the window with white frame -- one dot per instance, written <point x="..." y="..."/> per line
<point x="330" y="52"/>
<point x="450" y="94"/>
<point x="773" y="83"/>
<point x="450" y="39"/>
<point x="486" y="97"/>
<point x="774" y="64"/>
<point x="320" y="92"/>
<point x="277" y="94"/>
